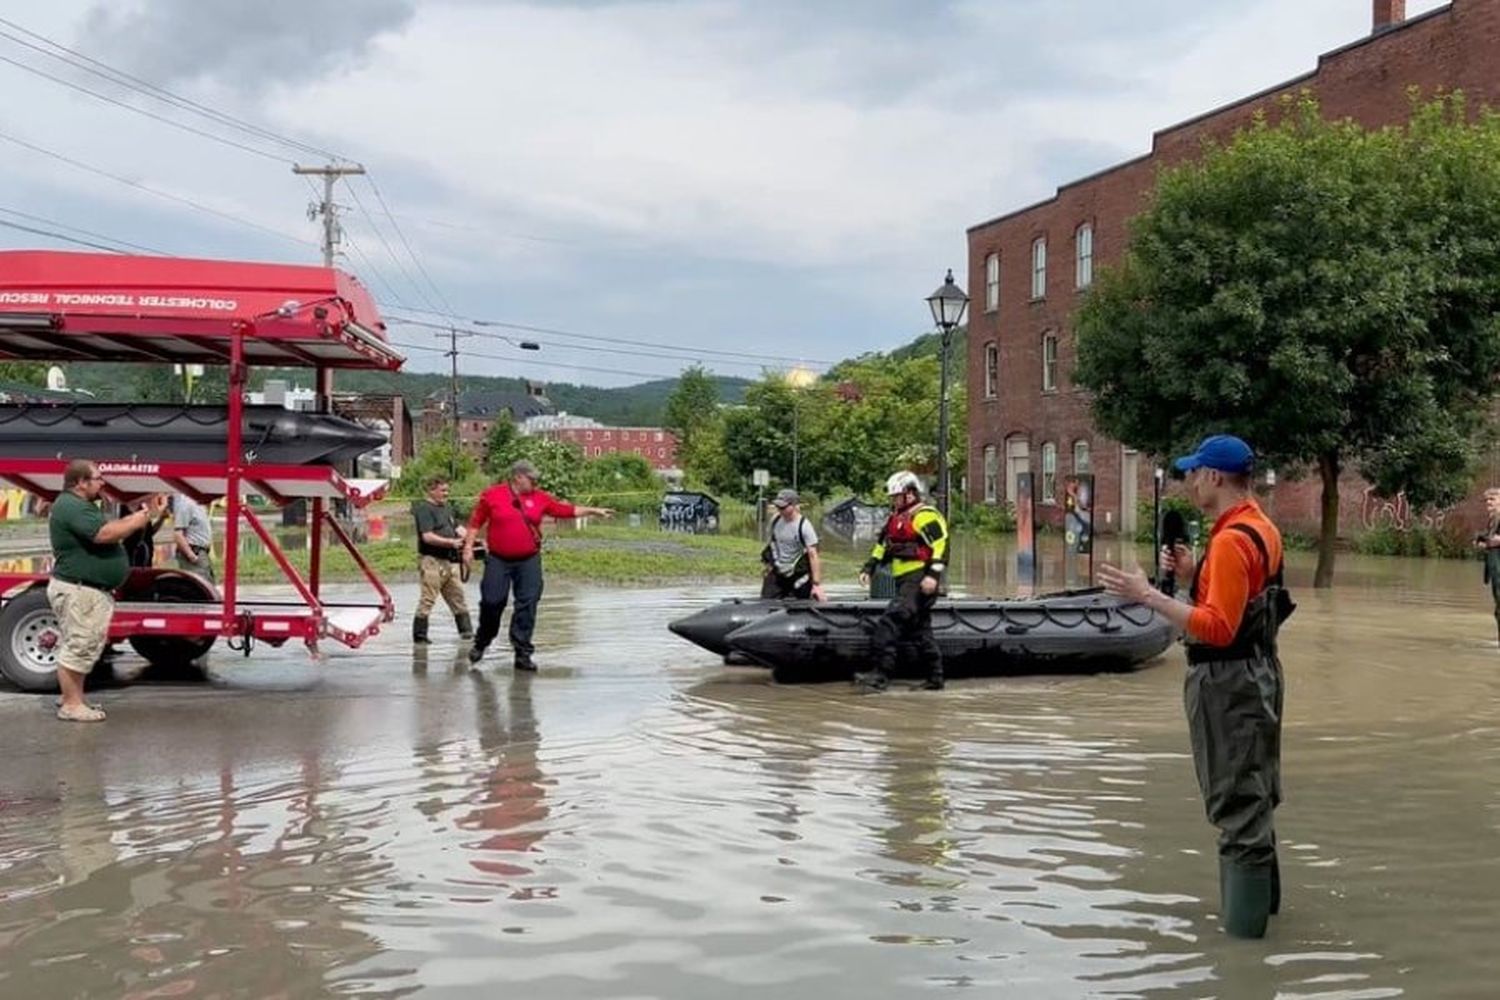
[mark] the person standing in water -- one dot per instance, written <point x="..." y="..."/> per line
<point x="1489" y="544"/>
<point x="1234" y="688"/>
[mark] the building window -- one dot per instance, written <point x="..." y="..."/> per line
<point x="992" y="282"/>
<point x="991" y="474"/>
<point x="658" y="435"/>
<point x="991" y="370"/>
<point x="606" y="435"/>
<point x="661" y="453"/>
<point x="1082" y="464"/>
<point x="1049" y="472"/>
<point x="1049" y="363"/>
<point x="1039" y="267"/>
<point x="1084" y="239"/>
<point x="588" y="435"/>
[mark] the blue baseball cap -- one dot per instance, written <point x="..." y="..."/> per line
<point x="1222" y="452"/>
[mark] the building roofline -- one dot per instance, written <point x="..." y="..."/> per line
<point x="1156" y="136"/>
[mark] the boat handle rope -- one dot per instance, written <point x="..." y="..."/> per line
<point x="1101" y="619"/>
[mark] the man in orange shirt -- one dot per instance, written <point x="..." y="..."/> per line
<point x="1233" y="692"/>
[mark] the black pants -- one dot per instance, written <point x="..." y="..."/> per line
<point x="776" y="587"/>
<point x="494" y="591"/>
<point x="905" y="628"/>
<point x="1234" y="721"/>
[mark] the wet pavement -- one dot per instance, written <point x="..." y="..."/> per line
<point x="639" y="821"/>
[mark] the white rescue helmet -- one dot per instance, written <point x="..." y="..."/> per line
<point x="901" y="482"/>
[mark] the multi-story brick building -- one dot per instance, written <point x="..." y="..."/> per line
<point x="655" y="445"/>
<point x="1028" y="268"/>
<point x="477" y="413"/>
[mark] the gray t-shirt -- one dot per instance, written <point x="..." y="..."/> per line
<point x="789" y="539"/>
<point x="189" y="516"/>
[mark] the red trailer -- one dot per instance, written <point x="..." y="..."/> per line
<point x="62" y="307"/>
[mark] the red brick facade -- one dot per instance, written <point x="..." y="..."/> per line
<point x="655" y="445"/>
<point x="1453" y="47"/>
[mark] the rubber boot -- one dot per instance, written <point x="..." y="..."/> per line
<point x="465" y="626"/>
<point x="419" y="631"/>
<point x="1275" y="886"/>
<point x="1247" y="900"/>
<point x="489" y="627"/>
<point x="871" y="681"/>
<point x="525" y="662"/>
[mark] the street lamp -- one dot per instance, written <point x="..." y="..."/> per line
<point x="797" y="379"/>
<point x="948" y="305"/>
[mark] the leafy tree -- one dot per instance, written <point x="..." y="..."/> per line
<point x="560" y="463"/>
<point x="1327" y="292"/>
<point x="620" y="480"/>
<point x="692" y="404"/>
<point x="438" y="457"/>
<point x="24" y="372"/>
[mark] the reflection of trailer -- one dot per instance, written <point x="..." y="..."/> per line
<point x="98" y="307"/>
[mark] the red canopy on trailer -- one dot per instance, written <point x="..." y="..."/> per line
<point x="62" y="306"/>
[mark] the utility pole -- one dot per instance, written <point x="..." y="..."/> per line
<point x="327" y="209"/>
<point x="332" y="235"/>
<point x="452" y="353"/>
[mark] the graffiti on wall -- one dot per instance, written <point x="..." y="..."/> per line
<point x="16" y="504"/>
<point x="1395" y="512"/>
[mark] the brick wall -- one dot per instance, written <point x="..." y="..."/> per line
<point x="1454" y="47"/>
<point x="656" y="445"/>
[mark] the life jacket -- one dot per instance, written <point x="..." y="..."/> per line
<point x="913" y="539"/>
<point x="1264" y="612"/>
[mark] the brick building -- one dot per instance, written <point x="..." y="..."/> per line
<point x="478" y="411"/>
<point x="655" y="445"/>
<point x="1028" y="268"/>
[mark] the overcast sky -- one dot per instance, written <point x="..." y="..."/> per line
<point x="780" y="178"/>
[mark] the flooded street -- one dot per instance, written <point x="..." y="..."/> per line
<point x="639" y="821"/>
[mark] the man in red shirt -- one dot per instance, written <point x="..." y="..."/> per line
<point x="513" y="511"/>
<point x="1233" y="692"/>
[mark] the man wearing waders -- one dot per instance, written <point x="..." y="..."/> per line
<point x="1233" y="692"/>
<point x="914" y="542"/>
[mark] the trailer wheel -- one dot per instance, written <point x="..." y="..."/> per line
<point x="29" y="640"/>
<point x="173" y="656"/>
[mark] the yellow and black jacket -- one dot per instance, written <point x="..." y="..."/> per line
<point x="914" y="540"/>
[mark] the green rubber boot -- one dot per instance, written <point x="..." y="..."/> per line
<point x="1247" y="900"/>
<point x="1275" y="886"/>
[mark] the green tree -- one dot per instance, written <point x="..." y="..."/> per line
<point x="692" y="404"/>
<point x="1328" y="292"/>
<point x="620" y="480"/>
<point x="438" y="457"/>
<point x="560" y="463"/>
<point x="23" y="372"/>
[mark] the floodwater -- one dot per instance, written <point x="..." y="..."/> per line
<point x="638" y="821"/>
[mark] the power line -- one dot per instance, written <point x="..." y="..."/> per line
<point x="390" y="252"/>
<point x="629" y="352"/>
<point x="402" y="236"/>
<point x="654" y="376"/>
<point x="151" y="190"/>
<point x="86" y="232"/>
<point x="695" y="351"/>
<point x="141" y="111"/>
<point x="59" y="236"/>
<point x="89" y="64"/>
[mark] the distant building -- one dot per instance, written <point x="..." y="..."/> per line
<point x="655" y="444"/>
<point x="478" y="411"/>
<point x="555" y="422"/>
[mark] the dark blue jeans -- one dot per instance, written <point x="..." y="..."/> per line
<point x="500" y="575"/>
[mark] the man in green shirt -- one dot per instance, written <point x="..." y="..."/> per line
<point x="440" y="543"/>
<point x="89" y="563"/>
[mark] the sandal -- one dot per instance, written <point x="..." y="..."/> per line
<point x="82" y="713"/>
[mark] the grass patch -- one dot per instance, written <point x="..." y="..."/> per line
<point x="601" y="553"/>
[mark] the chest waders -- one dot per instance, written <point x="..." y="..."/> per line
<point x="1233" y="696"/>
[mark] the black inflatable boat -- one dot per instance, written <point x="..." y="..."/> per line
<point x="1066" y="633"/>
<point x="145" y="432"/>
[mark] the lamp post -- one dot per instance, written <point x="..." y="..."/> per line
<point x="797" y="379"/>
<point x="948" y="305"/>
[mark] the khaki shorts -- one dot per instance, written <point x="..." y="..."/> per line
<point x="83" y="616"/>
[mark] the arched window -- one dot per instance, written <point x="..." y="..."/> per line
<point x="1049" y="362"/>
<point x="1039" y="267"/>
<point x="1081" y="460"/>
<point x="991" y="474"/>
<point x="1049" y="472"/>
<point x="1084" y="241"/>
<point x="992" y="282"/>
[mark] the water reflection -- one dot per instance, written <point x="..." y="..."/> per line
<point x="394" y="823"/>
